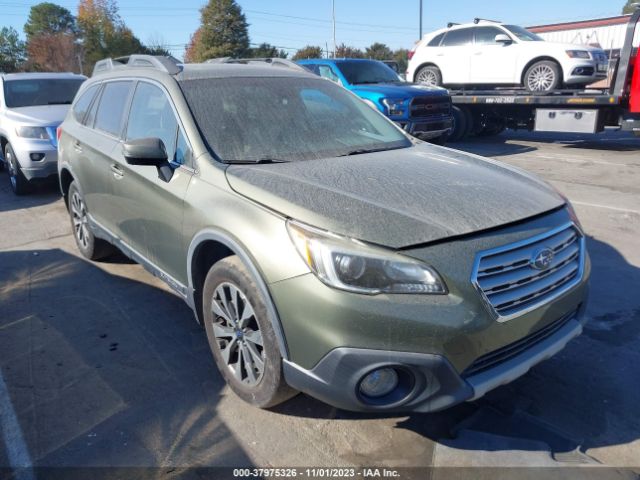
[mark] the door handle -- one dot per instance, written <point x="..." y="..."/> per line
<point x="477" y="53"/>
<point x="77" y="147"/>
<point x="439" y="54"/>
<point x="117" y="171"/>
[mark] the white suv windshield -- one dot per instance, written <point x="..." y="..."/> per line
<point x="44" y="91"/>
<point x="259" y="119"/>
<point x="523" y="34"/>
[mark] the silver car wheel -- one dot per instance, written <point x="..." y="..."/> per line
<point x="541" y="78"/>
<point x="11" y="169"/>
<point x="428" y="77"/>
<point x="237" y="333"/>
<point x="80" y="220"/>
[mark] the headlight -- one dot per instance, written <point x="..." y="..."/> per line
<point x="578" y="54"/>
<point x="33" y="132"/>
<point x="394" y="106"/>
<point x="352" y="265"/>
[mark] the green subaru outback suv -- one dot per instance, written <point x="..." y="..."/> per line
<point x="323" y="249"/>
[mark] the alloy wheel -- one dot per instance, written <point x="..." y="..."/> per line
<point x="80" y="220"/>
<point x="238" y="334"/>
<point x="541" y="78"/>
<point x="428" y="77"/>
<point x="11" y="169"/>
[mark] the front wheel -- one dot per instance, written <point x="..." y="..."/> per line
<point x="543" y="76"/>
<point x="429" y="75"/>
<point x="240" y="335"/>
<point x="19" y="183"/>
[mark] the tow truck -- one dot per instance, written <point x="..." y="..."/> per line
<point x="591" y="110"/>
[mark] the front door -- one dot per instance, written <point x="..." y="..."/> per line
<point x="493" y="62"/>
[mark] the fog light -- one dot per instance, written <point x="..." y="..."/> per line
<point x="36" y="157"/>
<point x="380" y="382"/>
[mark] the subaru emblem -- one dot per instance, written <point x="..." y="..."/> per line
<point x="542" y="259"/>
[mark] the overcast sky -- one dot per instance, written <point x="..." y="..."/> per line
<point x="292" y="24"/>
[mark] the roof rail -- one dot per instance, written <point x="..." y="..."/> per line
<point x="451" y="24"/>
<point x="478" y="20"/>
<point x="166" y="64"/>
<point x="277" y="62"/>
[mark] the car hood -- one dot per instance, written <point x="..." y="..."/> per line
<point x="41" y="115"/>
<point x="397" y="198"/>
<point x="400" y="90"/>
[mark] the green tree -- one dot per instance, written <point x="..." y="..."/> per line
<point x="378" y="51"/>
<point x="628" y="8"/>
<point x="49" y="19"/>
<point x="223" y="32"/>
<point x="309" y="51"/>
<point x="12" y="50"/>
<point x="266" y="50"/>
<point x="103" y="33"/>
<point x="401" y="56"/>
<point x="345" y="51"/>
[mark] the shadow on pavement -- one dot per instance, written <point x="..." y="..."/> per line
<point x="102" y="370"/>
<point x="43" y="193"/>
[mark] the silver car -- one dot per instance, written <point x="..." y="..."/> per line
<point x="32" y="105"/>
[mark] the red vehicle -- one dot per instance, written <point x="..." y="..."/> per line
<point x="489" y="112"/>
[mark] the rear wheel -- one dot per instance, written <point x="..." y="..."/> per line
<point x="19" y="183"/>
<point x="90" y="247"/>
<point x="542" y="76"/>
<point x="429" y="75"/>
<point x="460" y="124"/>
<point x="240" y="335"/>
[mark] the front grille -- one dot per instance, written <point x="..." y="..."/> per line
<point x="512" y="284"/>
<point x="428" y="106"/>
<point x="492" y="359"/>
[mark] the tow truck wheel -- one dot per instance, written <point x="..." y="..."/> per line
<point x="460" y="124"/>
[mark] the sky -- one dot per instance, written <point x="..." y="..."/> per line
<point x="291" y="24"/>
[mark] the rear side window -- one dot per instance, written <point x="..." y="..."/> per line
<point x="435" y="42"/>
<point x="81" y="107"/>
<point x="457" y="38"/>
<point x="112" y="105"/>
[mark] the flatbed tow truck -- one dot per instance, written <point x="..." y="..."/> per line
<point x="592" y="110"/>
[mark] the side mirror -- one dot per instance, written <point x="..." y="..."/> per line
<point x="149" y="152"/>
<point x="503" y="38"/>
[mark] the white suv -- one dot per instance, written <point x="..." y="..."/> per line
<point x="492" y="53"/>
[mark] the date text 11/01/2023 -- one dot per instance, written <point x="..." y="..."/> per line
<point x="316" y="472"/>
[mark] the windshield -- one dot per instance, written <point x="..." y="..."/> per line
<point x="523" y="34"/>
<point x="42" y="91"/>
<point x="358" y="73"/>
<point x="259" y="119"/>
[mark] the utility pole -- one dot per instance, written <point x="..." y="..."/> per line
<point x="420" y="37"/>
<point x="333" y="14"/>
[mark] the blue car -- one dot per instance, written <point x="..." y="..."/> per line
<point x="422" y="111"/>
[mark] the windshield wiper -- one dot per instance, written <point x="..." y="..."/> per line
<point x="360" y="151"/>
<point x="68" y="102"/>
<point x="258" y="161"/>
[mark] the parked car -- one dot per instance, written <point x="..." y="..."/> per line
<point x="32" y="105"/>
<point x="493" y="53"/>
<point x="323" y="249"/>
<point x="424" y="112"/>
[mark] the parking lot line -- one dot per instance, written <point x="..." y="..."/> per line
<point x="597" y="205"/>
<point x="16" y="447"/>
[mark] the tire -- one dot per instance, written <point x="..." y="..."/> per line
<point x="19" y="183"/>
<point x="429" y="75"/>
<point x="90" y="247"/>
<point x="459" y="124"/>
<point x="543" y="76"/>
<point x="234" y="336"/>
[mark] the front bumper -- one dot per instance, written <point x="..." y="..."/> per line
<point x="427" y="128"/>
<point x="581" y="72"/>
<point x="24" y="148"/>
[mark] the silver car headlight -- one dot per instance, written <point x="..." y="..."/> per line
<point x="578" y="54"/>
<point x="352" y="265"/>
<point x="33" y="132"/>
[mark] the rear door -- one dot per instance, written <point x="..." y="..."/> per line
<point x="492" y="62"/>
<point x="151" y="209"/>
<point x="453" y="56"/>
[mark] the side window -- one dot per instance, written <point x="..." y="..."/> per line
<point x="435" y="42"/>
<point x="486" y="35"/>
<point x="81" y="107"/>
<point x="91" y="116"/>
<point x="112" y="105"/>
<point x="312" y="67"/>
<point x="151" y="115"/>
<point x="183" y="152"/>
<point x="327" y="72"/>
<point x="458" y="38"/>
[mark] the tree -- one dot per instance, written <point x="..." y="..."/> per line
<point x="378" y="51"/>
<point x="49" y="19"/>
<point x="401" y="56"/>
<point x="223" y="32"/>
<point x="344" y="51"/>
<point x="53" y="53"/>
<point x="628" y="8"/>
<point x="309" y="51"/>
<point x="103" y="33"/>
<point x="12" y="50"/>
<point x="266" y="50"/>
